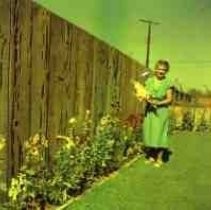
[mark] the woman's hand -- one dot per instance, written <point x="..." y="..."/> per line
<point x="153" y="102"/>
<point x="166" y="101"/>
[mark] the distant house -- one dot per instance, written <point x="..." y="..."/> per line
<point x="204" y="100"/>
<point x="181" y="97"/>
<point x="193" y="97"/>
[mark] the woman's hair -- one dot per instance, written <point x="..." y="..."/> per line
<point x="162" y="63"/>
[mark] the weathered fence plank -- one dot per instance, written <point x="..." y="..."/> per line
<point x="57" y="71"/>
<point x="39" y="69"/>
<point x="4" y="66"/>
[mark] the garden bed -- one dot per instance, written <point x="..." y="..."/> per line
<point x="77" y="160"/>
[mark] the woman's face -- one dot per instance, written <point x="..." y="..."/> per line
<point x="161" y="71"/>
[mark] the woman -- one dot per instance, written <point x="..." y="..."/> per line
<point x="156" y="119"/>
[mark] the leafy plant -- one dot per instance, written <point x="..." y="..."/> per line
<point x="80" y="157"/>
<point x="28" y="188"/>
<point x="2" y="181"/>
<point x="190" y="118"/>
<point x="72" y="162"/>
<point x="187" y="121"/>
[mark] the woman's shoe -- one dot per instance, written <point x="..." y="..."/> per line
<point x="150" y="160"/>
<point x="158" y="163"/>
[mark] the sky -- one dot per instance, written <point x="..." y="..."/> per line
<point x="183" y="36"/>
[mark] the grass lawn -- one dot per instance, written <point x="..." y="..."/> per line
<point x="184" y="183"/>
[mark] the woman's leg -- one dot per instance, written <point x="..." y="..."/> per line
<point x="160" y="155"/>
<point x="159" y="159"/>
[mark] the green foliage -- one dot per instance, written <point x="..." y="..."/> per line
<point x="79" y="158"/>
<point x="3" y="189"/>
<point x="205" y="122"/>
<point x="72" y="162"/>
<point x="105" y="142"/>
<point x="187" y="121"/>
<point x="29" y="186"/>
<point x="191" y="119"/>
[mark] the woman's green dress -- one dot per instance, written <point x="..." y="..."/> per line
<point x="156" y="119"/>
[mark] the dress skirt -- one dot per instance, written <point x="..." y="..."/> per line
<point x="156" y="123"/>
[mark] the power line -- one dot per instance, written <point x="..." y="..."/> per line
<point x="191" y="61"/>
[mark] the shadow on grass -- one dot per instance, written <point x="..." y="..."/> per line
<point x="166" y="155"/>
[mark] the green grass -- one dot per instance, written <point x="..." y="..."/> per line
<point x="184" y="183"/>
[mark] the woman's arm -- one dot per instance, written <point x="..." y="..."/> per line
<point x="167" y="100"/>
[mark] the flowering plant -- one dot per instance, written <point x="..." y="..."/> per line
<point x="28" y="188"/>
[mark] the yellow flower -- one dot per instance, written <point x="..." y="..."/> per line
<point x="35" y="139"/>
<point x="77" y="138"/>
<point x="69" y="142"/>
<point x="105" y="120"/>
<point x="140" y="91"/>
<point x="130" y="128"/>
<point x="72" y="120"/>
<point x="45" y="143"/>
<point x="125" y="138"/>
<point x="2" y="142"/>
<point x="87" y="112"/>
<point x="35" y="152"/>
<point x="27" y="145"/>
<point x="110" y="143"/>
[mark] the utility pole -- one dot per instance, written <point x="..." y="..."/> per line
<point x="150" y="23"/>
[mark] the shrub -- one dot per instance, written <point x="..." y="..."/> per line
<point x="28" y="188"/>
<point x="190" y="118"/>
<point x="79" y="158"/>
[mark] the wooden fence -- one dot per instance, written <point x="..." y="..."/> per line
<point x="51" y="70"/>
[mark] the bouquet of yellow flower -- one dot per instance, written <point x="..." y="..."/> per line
<point x="140" y="91"/>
